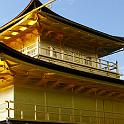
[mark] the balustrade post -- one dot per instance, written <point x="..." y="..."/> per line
<point x="35" y="112"/>
<point x="73" y="115"/>
<point x="22" y="114"/>
<point x="8" y="109"/>
<point x="62" y="54"/>
<point x="100" y="65"/>
<point x="108" y="66"/>
<point x="48" y="116"/>
<point x="73" y="57"/>
<point x="59" y="114"/>
<point x="80" y="116"/>
<point x="117" y="70"/>
<point x="25" y="49"/>
<point x="96" y="62"/>
<point x="38" y="45"/>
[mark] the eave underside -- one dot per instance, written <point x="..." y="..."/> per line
<point x="33" y="72"/>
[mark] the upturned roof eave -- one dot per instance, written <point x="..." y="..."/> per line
<point x="37" y="3"/>
<point x="82" y="27"/>
<point x="28" y="8"/>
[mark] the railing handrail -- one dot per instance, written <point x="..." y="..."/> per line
<point x="96" y="62"/>
<point x="71" y="108"/>
<point x="74" y="56"/>
<point x="80" y="57"/>
<point x="61" y="111"/>
<point x="99" y="63"/>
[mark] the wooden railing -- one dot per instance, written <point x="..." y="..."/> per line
<point x="50" y="113"/>
<point x="98" y="63"/>
<point x="72" y="60"/>
<point x="31" y="50"/>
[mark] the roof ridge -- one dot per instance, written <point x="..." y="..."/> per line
<point x="32" y="5"/>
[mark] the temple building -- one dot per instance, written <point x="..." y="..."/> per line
<point x="52" y="71"/>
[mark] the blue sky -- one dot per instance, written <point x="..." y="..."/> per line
<point x="103" y="15"/>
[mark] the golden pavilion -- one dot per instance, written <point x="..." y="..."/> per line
<point x="52" y="71"/>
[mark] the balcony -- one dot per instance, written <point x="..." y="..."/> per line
<point x="49" y="113"/>
<point x="96" y="66"/>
